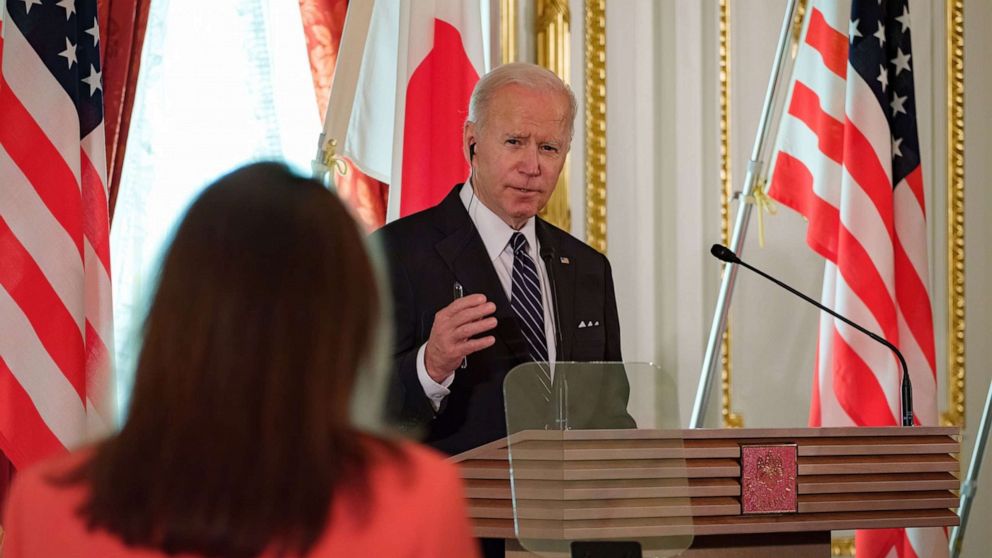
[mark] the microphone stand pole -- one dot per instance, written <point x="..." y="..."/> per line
<point x="751" y="180"/>
<point x="970" y="484"/>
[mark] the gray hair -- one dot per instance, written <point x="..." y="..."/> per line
<point x="526" y="75"/>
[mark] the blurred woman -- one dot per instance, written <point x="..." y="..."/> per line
<point x="240" y="440"/>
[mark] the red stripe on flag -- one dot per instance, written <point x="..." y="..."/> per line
<point x="24" y="436"/>
<point x="97" y="223"/>
<point x="830" y="43"/>
<point x="877" y="542"/>
<point x="792" y="184"/>
<point x="857" y="389"/>
<point x="436" y="107"/>
<point x="862" y="276"/>
<point x="42" y="164"/>
<point x="805" y="105"/>
<point x="52" y="322"/>
<point x="915" y="182"/>
<point x="97" y="355"/>
<point x="815" y="412"/>
<point x="864" y="166"/>
<point x="914" y="303"/>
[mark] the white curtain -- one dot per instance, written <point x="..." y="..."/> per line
<point x="222" y="83"/>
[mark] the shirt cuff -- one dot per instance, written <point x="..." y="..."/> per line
<point x="433" y="390"/>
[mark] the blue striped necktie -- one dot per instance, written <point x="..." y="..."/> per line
<point x="525" y="299"/>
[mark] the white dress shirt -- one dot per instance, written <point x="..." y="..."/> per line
<point x="495" y="235"/>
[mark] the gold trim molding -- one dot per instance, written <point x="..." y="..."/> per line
<point x="595" y="89"/>
<point x="954" y="416"/>
<point x="508" y="31"/>
<point x="797" y="24"/>
<point x="552" y="34"/>
<point x="843" y="546"/>
<point x="730" y="418"/>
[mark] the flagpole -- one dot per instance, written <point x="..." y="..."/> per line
<point x="342" y="95"/>
<point x="755" y="168"/>
<point x="970" y="484"/>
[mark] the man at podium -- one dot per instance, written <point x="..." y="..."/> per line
<point x="481" y="284"/>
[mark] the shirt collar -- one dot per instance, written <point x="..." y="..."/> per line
<point x="494" y="231"/>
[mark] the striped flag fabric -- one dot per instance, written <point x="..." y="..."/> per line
<point x="56" y="375"/>
<point x="848" y="159"/>
<point x="421" y="61"/>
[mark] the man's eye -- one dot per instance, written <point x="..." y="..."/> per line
<point x="549" y="148"/>
<point x="513" y="141"/>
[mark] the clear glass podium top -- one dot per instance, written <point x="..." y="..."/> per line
<point x="597" y="464"/>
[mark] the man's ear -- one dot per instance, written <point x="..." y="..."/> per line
<point x="469" y="139"/>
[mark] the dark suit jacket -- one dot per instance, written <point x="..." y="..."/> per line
<point x="430" y="250"/>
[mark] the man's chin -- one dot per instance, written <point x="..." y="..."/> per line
<point x="520" y="215"/>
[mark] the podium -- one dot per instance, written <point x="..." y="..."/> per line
<point x="611" y="484"/>
<point x="595" y="458"/>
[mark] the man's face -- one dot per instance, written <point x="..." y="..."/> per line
<point x="520" y="149"/>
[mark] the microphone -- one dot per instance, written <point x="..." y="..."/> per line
<point x="725" y="254"/>
<point x="561" y="414"/>
<point x="548" y="256"/>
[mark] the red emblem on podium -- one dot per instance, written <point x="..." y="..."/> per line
<point x="768" y="479"/>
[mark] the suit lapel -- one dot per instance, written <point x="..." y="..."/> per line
<point x="465" y="254"/>
<point x="562" y="278"/>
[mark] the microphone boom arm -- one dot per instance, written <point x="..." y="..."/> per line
<point x="730" y="258"/>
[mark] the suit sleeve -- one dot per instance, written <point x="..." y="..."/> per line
<point x="407" y="405"/>
<point x="611" y="316"/>
<point x="616" y="393"/>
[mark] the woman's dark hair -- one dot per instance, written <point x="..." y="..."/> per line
<point x="238" y="436"/>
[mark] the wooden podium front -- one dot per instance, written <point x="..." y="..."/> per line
<point x="713" y="484"/>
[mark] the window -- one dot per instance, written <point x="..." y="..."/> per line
<point x="222" y="83"/>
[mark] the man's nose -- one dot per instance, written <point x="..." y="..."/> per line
<point x="530" y="162"/>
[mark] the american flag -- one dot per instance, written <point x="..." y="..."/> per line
<point x="848" y="159"/>
<point x="56" y="379"/>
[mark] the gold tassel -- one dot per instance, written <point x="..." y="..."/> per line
<point x="331" y="159"/>
<point x="762" y="203"/>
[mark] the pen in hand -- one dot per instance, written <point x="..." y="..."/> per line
<point x="458" y="293"/>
